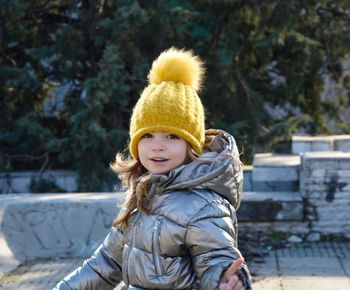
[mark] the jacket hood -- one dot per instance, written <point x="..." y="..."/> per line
<point x="218" y="169"/>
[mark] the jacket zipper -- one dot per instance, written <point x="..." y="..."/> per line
<point x="134" y="229"/>
<point x="131" y="253"/>
<point x="156" y="249"/>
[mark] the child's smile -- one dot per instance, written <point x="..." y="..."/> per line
<point x="160" y="152"/>
<point x="159" y="159"/>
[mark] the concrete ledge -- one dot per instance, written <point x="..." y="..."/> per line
<point x="35" y="226"/>
<point x="247" y="178"/>
<point x="301" y="144"/>
<point x="341" y="143"/>
<point x="18" y="182"/>
<point x="271" y="206"/>
<point x="7" y="260"/>
<point x="275" y="160"/>
<point x="290" y="227"/>
<point x="330" y="155"/>
<point x="268" y="167"/>
<point x="275" y="186"/>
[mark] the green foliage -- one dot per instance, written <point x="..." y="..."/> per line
<point x="71" y="72"/>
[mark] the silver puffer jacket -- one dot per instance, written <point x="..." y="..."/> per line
<point x="188" y="240"/>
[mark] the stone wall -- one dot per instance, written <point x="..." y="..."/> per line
<point x="42" y="226"/>
<point x="301" y="144"/>
<point x="36" y="226"/>
<point x="325" y="186"/>
<point x="20" y="182"/>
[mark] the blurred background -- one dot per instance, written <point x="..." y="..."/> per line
<point x="71" y="72"/>
<point x="278" y="80"/>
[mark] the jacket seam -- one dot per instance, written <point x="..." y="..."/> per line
<point x="211" y="251"/>
<point x="207" y="191"/>
<point x="110" y="259"/>
<point x="193" y="218"/>
<point x="161" y="255"/>
<point x="99" y="274"/>
<point x="171" y="220"/>
<point x="207" y="201"/>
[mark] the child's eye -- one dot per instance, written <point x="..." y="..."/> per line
<point x="147" y="136"/>
<point x="173" y="136"/>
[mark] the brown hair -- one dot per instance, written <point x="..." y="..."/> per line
<point x="136" y="179"/>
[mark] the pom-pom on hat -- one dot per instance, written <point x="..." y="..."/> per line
<point x="170" y="102"/>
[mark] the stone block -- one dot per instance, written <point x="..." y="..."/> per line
<point x="327" y="174"/>
<point x="342" y="143"/>
<point x="324" y="145"/>
<point x="290" y="227"/>
<point x="311" y="188"/>
<point x="247" y="181"/>
<point x="324" y="203"/>
<point x="300" y="147"/>
<point x="301" y="144"/>
<point x="19" y="182"/>
<point x="324" y="198"/>
<point x="56" y="225"/>
<point x="325" y="171"/>
<point x="326" y="188"/>
<point x="331" y="227"/>
<point x="8" y="261"/>
<point x="266" y="174"/>
<point x="67" y="182"/>
<point x="275" y="186"/>
<point x="274" y="167"/>
<point x="271" y="206"/>
<point x="275" y="160"/>
<point x="338" y="213"/>
<point x="333" y="156"/>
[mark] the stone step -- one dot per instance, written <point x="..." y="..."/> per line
<point x="271" y="206"/>
<point x="275" y="172"/>
<point x="301" y="144"/>
<point x="247" y="178"/>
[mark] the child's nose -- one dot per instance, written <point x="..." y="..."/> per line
<point x="158" y="145"/>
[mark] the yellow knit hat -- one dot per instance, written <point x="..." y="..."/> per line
<point x="170" y="102"/>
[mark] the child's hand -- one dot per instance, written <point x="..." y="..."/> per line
<point x="230" y="281"/>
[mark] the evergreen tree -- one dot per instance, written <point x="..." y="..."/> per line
<point x="71" y="71"/>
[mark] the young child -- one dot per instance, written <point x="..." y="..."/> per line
<point x="177" y="228"/>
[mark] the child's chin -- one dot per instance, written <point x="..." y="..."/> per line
<point x="160" y="172"/>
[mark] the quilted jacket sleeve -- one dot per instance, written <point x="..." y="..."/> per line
<point x="211" y="239"/>
<point x="102" y="270"/>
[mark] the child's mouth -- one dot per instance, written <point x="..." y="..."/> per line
<point x="159" y="159"/>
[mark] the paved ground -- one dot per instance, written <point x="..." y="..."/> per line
<point x="314" y="266"/>
<point x="318" y="266"/>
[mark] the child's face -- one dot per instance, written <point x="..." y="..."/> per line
<point x="160" y="152"/>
